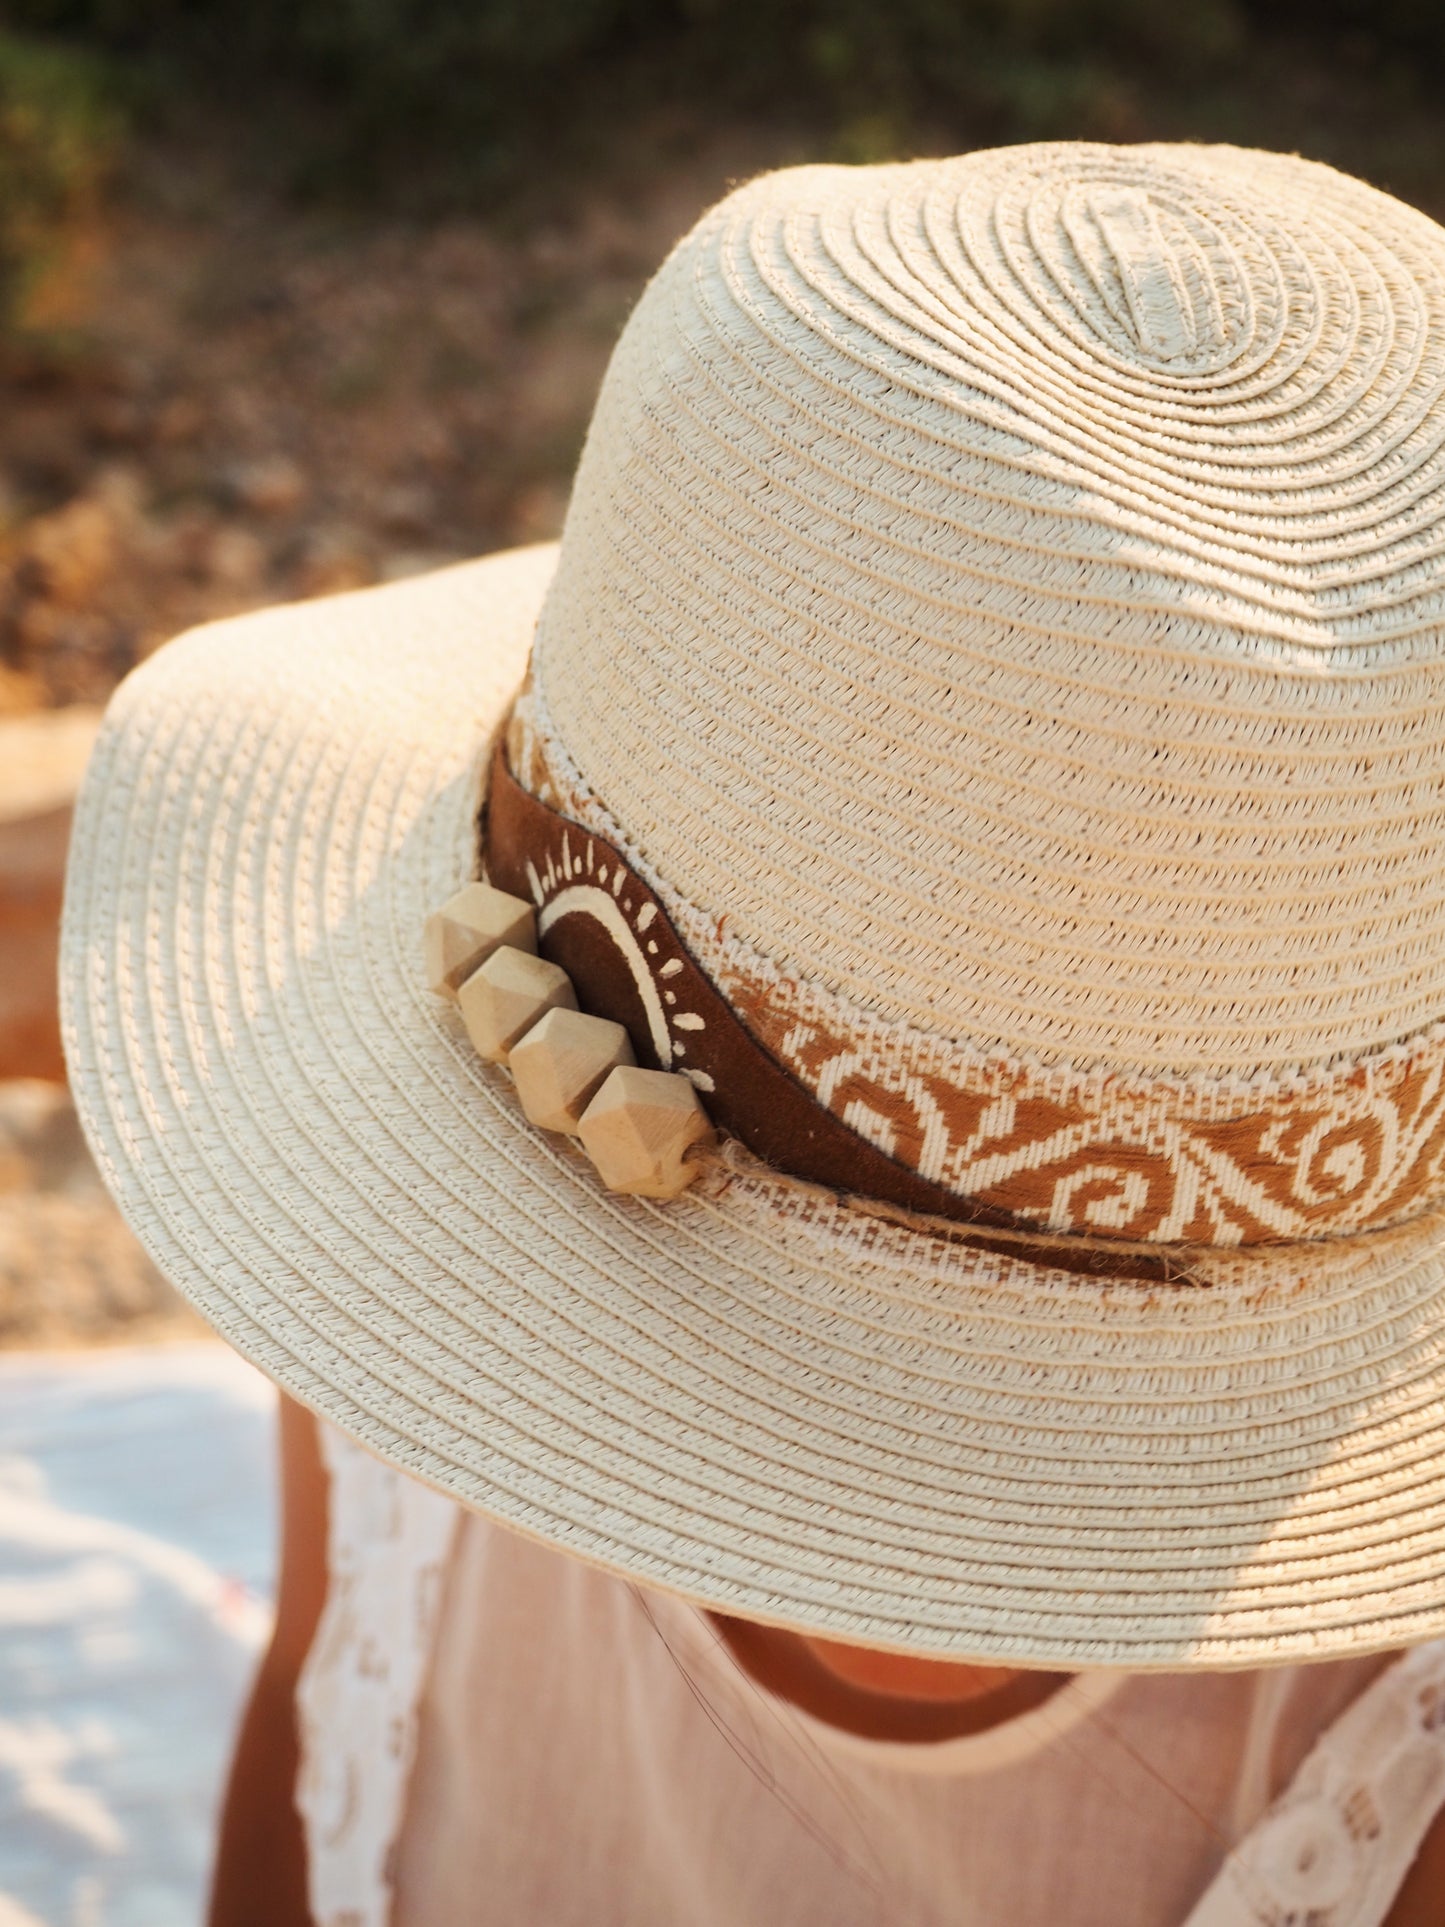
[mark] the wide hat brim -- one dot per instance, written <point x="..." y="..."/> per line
<point x="753" y="1396"/>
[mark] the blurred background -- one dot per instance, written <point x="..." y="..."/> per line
<point x="300" y="295"/>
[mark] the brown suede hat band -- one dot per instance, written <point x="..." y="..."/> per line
<point x="608" y="930"/>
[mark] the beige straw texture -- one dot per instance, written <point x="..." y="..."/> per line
<point x="999" y="611"/>
<point x="1009" y="589"/>
<point x="751" y="1396"/>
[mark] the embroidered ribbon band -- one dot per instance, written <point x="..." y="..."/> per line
<point x="1359" y="1152"/>
<point x="606" y="928"/>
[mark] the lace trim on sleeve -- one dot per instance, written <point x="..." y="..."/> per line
<point x="1334" y="1849"/>
<point x="356" y="1701"/>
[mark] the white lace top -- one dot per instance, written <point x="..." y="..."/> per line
<point x="443" y="1637"/>
<point x="357" y="1699"/>
<point x="1334" y="1848"/>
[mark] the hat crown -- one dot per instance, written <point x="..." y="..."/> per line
<point x="1003" y="596"/>
<point x="1173" y="299"/>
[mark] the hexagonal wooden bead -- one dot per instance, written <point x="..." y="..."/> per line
<point x="562" y="1061"/>
<point x="638" y="1129"/>
<point x="468" y="928"/>
<point x="501" y="1001"/>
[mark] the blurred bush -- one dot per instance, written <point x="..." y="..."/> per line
<point x="58" y="123"/>
<point x="343" y="88"/>
<point x="495" y="79"/>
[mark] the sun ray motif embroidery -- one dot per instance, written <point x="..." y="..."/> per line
<point x="585" y="879"/>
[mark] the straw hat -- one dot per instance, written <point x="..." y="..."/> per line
<point x="994" y="665"/>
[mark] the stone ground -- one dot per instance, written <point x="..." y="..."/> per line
<point x="70" y="1271"/>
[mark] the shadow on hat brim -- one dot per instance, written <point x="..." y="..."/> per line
<point x="753" y="1396"/>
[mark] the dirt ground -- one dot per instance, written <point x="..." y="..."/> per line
<point x="238" y="401"/>
<point x="241" y="401"/>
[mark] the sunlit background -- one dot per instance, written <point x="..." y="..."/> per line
<point x="301" y="295"/>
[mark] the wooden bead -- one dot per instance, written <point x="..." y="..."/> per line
<point x="561" y="1062"/>
<point x="468" y="928"/>
<point x="638" y="1129"/>
<point x="501" y="1001"/>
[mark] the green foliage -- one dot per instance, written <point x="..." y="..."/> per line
<point x="57" y="128"/>
<point x="509" y="75"/>
<point x="361" y="82"/>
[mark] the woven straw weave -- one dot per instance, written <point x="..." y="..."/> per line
<point x="1014" y="666"/>
<point x="999" y="611"/>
